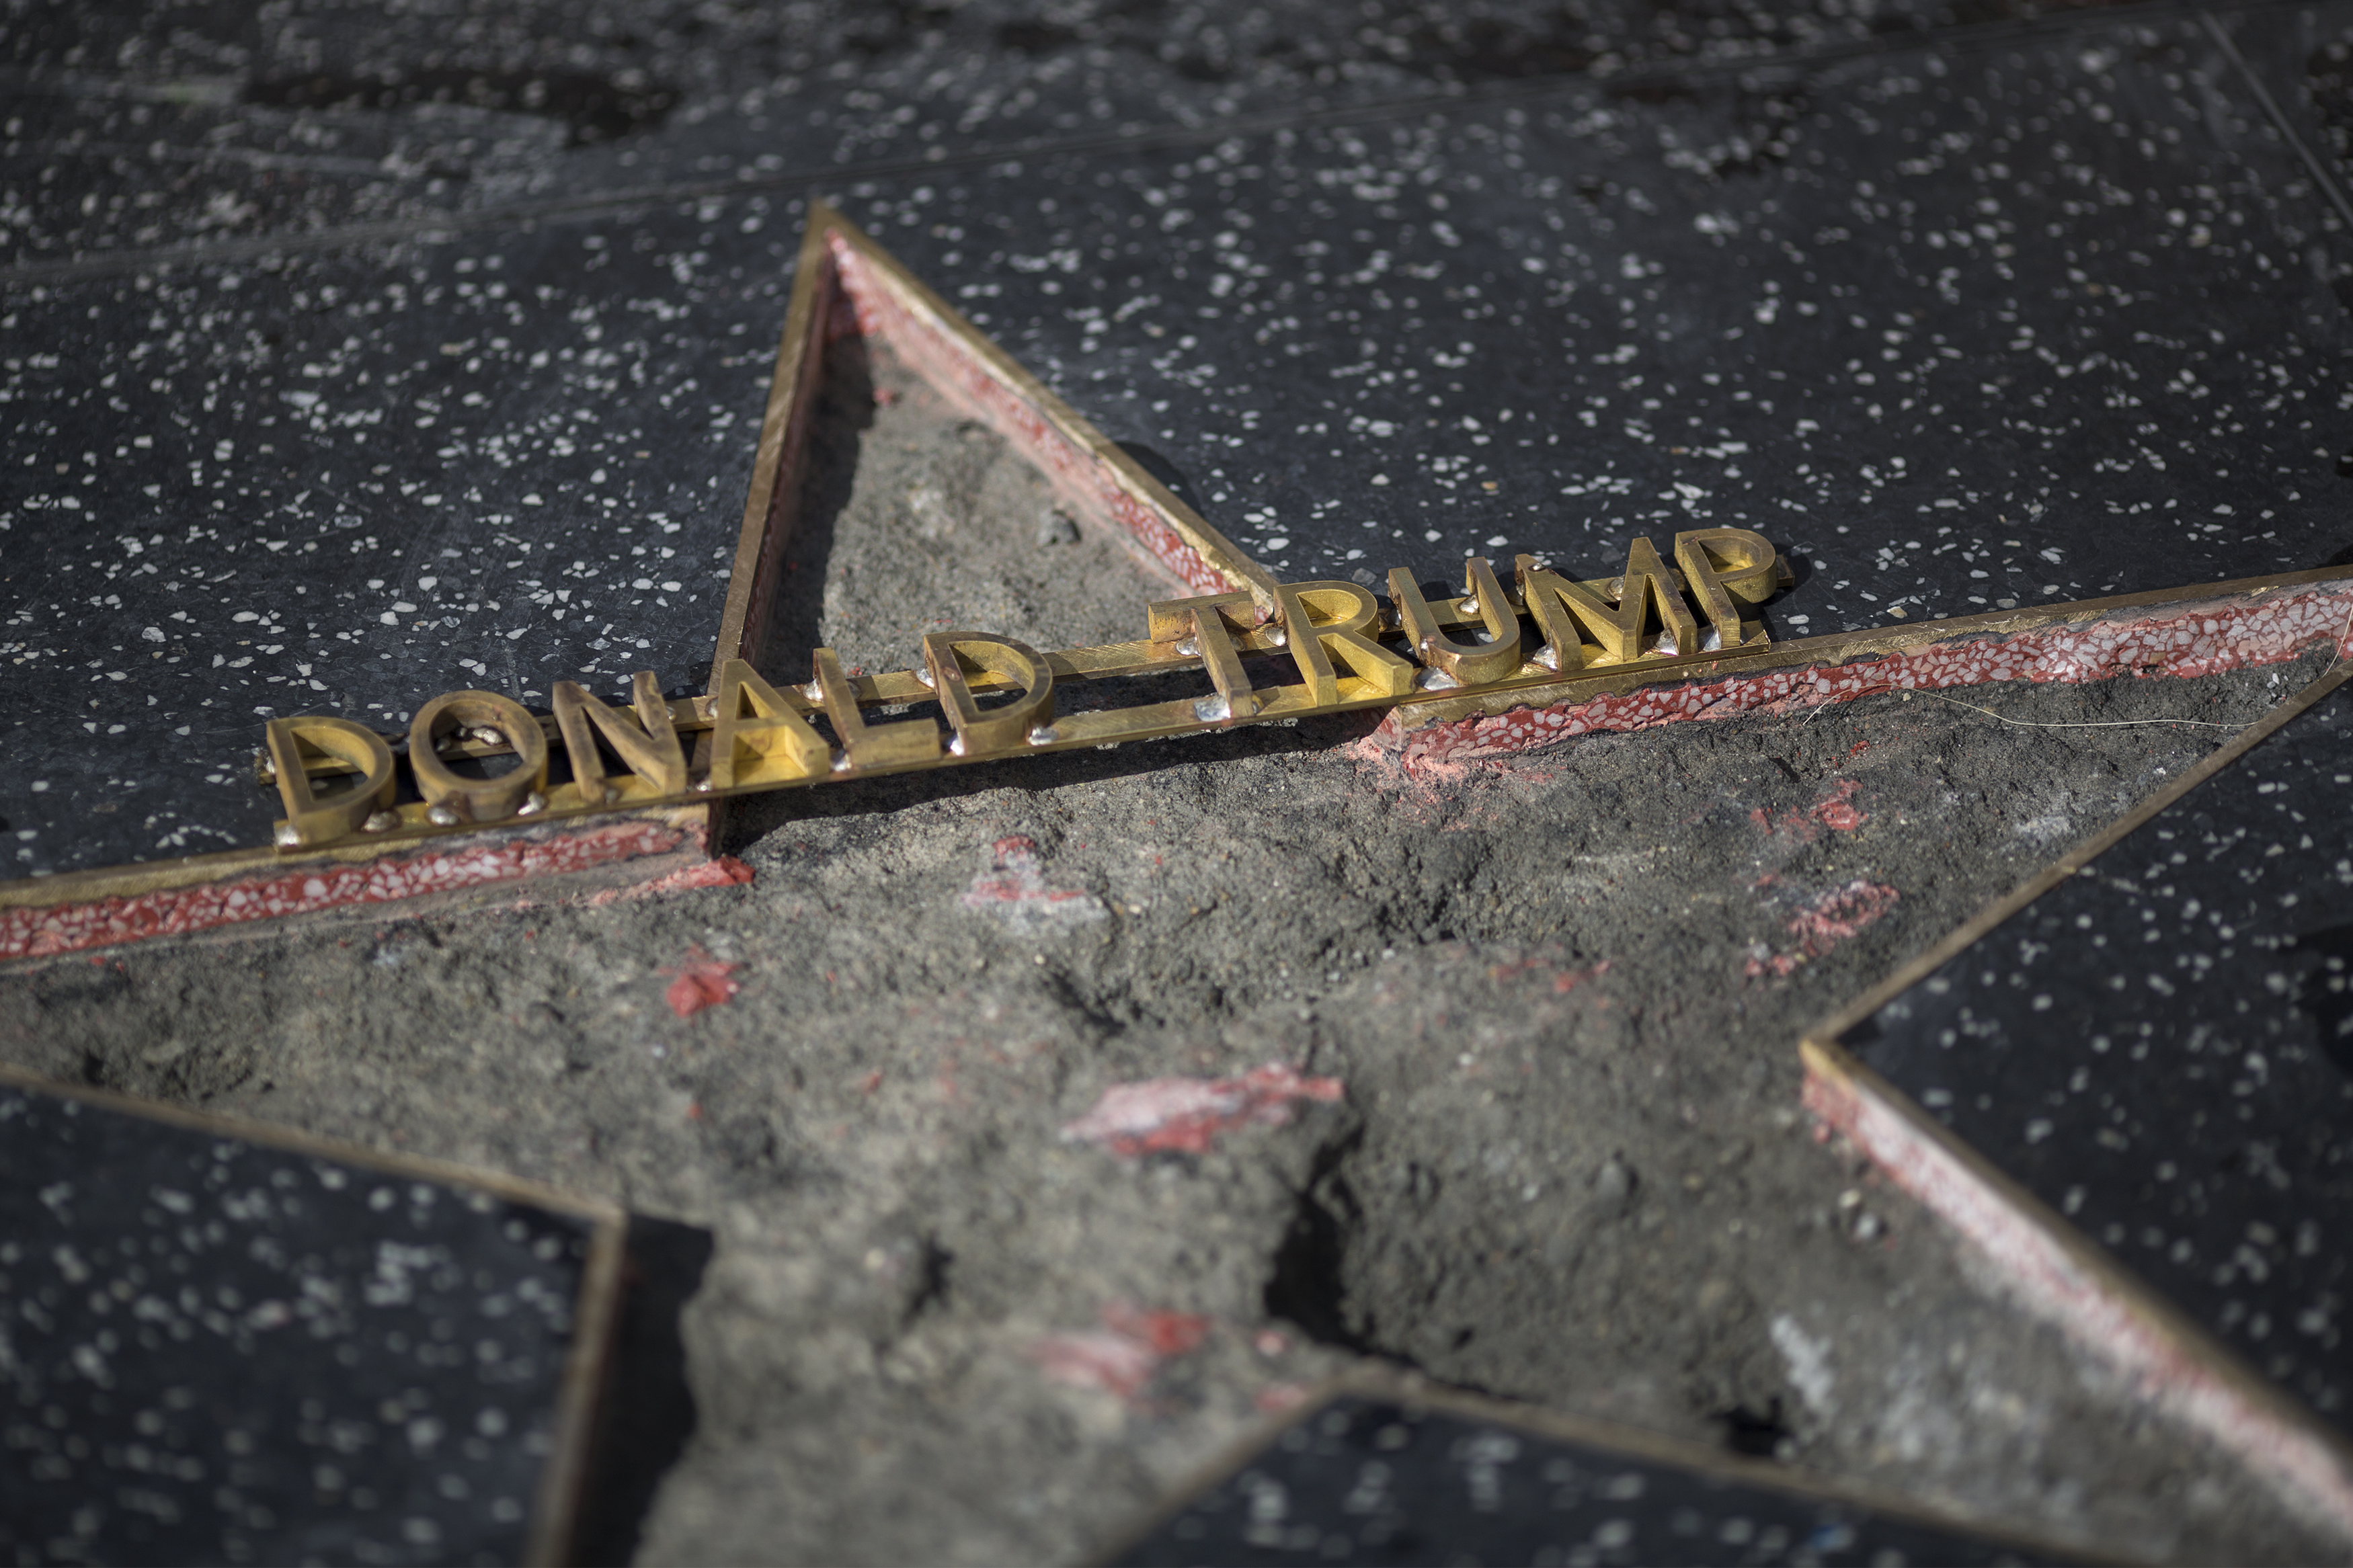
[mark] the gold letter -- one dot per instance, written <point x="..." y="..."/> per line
<point x="1470" y="663"/>
<point x="1565" y="610"/>
<point x="1378" y="672"/>
<point x="309" y="819"/>
<point x="1722" y="565"/>
<point x="648" y="743"/>
<point x="1204" y="621"/>
<point x="870" y="745"/>
<point x="987" y="732"/>
<point x="753" y="722"/>
<point x="477" y="800"/>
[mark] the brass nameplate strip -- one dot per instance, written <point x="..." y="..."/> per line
<point x="1337" y="647"/>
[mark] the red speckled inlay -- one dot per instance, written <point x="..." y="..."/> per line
<point x="946" y="359"/>
<point x="67" y="927"/>
<point x="2196" y="639"/>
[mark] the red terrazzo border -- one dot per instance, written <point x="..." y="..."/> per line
<point x="2195" y="639"/>
<point x="269" y="895"/>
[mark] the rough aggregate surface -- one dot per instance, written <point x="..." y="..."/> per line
<point x="1013" y="1140"/>
<point x="1559" y="993"/>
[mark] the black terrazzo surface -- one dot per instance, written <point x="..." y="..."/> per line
<point x="1960" y="329"/>
<point x="1963" y="317"/>
<point x="192" y="125"/>
<point x="2161" y="1048"/>
<point x="348" y="485"/>
<point x="1364" y="1480"/>
<point x="219" y="1351"/>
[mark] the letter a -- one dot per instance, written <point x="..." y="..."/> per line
<point x="754" y="728"/>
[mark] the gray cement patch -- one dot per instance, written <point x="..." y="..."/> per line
<point x="1560" y="994"/>
<point x="1568" y="1166"/>
<point x="917" y="520"/>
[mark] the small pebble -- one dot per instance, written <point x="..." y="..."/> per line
<point x="1613" y="1183"/>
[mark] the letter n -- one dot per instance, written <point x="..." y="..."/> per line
<point x="646" y="742"/>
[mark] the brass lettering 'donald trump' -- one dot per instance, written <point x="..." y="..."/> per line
<point x="1323" y="647"/>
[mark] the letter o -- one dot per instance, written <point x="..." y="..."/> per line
<point x="477" y="800"/>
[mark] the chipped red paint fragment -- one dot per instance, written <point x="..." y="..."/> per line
<point x="2193" y="640"/>
<point x="1563" y="980"/>
<point x="1120" y="1357"/>
<point x="1277" y="1397"/>
<point x="1805" y="823"/>
<point x="1830" y="920"/>
<point x="1840" y="913"/>
<point x="1014" y="876"/>
<point x="1187" y="1114"/>
<point x="702" y="981"/>
<point x="950" y="364"/>
<point x="1167" y="1334"/>
<point x="1014" y="887"/>
<point x="723" y="871"/>
<point x="1838" y="812"/>
<point x="1096" y="1358"/>
<point x="269" y="895"/>
<point x="2055" y="1285"/>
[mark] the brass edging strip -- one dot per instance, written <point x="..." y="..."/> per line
<point x="1833" y="1028"/>
<point x="448" y="1172"/>
<point x="1222" y="555"/>
<point x="1832" y="1065"/>
<point x="557" y="1503"/>
<point x="771" y="507"/>
<point x="1838" y="649"/>
<point x="140" y="878"/>
<point x="1414" y="1390"/>
<point x="1828" y="1061"/>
